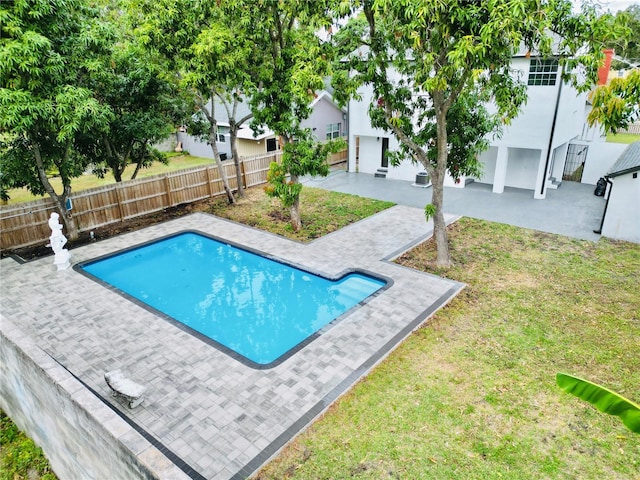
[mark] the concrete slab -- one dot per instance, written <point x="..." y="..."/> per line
<point x="572" y="210"/>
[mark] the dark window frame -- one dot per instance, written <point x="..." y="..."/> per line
<point x="543" y="72"/>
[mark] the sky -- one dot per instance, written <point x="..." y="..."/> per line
<point x="616" y="5"/>
<point x="613" y="5"/>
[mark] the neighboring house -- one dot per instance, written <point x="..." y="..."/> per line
<point x="547" y="142"/>
<point x="327" y="121"/>
<point x="621" y="218"/>
<point x="198" y="148"/>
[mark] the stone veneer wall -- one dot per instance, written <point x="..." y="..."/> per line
<point x="79" y="434"/>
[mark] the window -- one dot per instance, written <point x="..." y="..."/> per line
<point x="543" y="72"/>
<point x="333" y="130"/>
<point x="221" y="138"/>
<point x="272" y="145"/>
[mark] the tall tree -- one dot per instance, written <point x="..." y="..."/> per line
<point x="425" y="56"/>
<point x="206" y="44"/>
<point x="293" y="68"/>
<point x="146" y="107"/>
<point x="47" y="50"/>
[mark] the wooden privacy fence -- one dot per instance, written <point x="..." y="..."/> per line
<point x="26" y="224"/>
<point x="633" y="128"/>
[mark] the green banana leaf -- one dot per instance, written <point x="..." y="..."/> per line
<point x="603" y="399"/>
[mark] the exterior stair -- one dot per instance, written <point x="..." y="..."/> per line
<point x="553" y="183"/>
<point x="381" y="173"/>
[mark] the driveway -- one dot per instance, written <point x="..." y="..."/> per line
<point x="571" y="210"/>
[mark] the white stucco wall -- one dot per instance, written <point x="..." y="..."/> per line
<point x="527" y="138"/>
<point x="600" y="158"/>
<point x="622" y="220"/>
<point x="488" y="160"/>
<point x="522" y="168"/>
<point x="532" y="128"/>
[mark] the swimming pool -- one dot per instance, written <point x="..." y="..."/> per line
<point x="259" y="310"/>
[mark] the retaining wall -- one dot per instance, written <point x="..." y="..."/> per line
<point x="79" y="434"/>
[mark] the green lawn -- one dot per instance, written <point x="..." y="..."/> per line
<point x="21" y="458"/>
<point x="623" y="138"/>
<point x="87" y="181"/>
<point x="472" y="394"/>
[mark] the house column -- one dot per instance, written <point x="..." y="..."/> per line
<point x="540" y="191"/>
<point x="500" y="174"/>
<point x="351" y="164"/>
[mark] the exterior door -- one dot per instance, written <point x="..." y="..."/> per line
<point x="385" y="148"/>
<point x="574" y="165"/>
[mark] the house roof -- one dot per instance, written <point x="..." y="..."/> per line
<point x="247" y="133"/>
<point x="628" y="162"/>
<point x="326" y="95"/>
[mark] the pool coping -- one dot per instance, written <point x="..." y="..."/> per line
<point x="407" y="232"/>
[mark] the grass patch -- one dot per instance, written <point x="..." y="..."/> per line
<point x="321" y="211"/>
<point x="20" y="458"/>
<point x="87" y="181"/>
<point x="623" y="137"/>
<point x="473" y="394"/>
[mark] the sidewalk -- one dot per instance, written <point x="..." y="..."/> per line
<point x="572" y="210"/>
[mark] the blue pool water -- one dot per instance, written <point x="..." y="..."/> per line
<point x="254" y="306"/>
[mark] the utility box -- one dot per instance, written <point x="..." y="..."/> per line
<point x="422" y="178"/>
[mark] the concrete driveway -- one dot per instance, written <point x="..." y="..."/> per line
<point x="572" y="210"/>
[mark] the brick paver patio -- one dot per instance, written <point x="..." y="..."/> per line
<point x="211" y="415"/>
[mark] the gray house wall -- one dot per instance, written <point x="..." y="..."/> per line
<point x="324" y="113"/>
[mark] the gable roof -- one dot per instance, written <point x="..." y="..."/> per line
<point x="326" y="95"/>
<point x="628" y="162"/>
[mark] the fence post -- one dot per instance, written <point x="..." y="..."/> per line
<point x="167" y="185"/>
<point x="209" y="181"/>
<point x="243" y="174"/>
<point x="119" y="202"/>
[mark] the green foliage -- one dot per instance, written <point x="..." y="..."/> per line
<point x="47" y="53"/>
<point x="280" y="187"/>
<point x="429" y="211"/>
<point x="603" y="399"/>
<point x="294" y="64"/>
<point x="629" y="47"/>
<point x="302" y="157"/>
<point x="20" y="455"/>
<point x="616" y="105"/>
<point x="468" y="127"/>
<point x="146" y="106"/>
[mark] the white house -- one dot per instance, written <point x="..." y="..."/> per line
<point x="546" y="142"/>
<point x="327" y="121"/>
<point x="621" y="218"/>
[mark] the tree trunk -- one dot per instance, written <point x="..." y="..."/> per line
<point x="216" y="155"/>
<point x="296" y="222"/>
<point x="60" y="200"/>
<point x="437" y="199"/>
<point x="233" y="139"/>
<point x="137" y="169"/>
